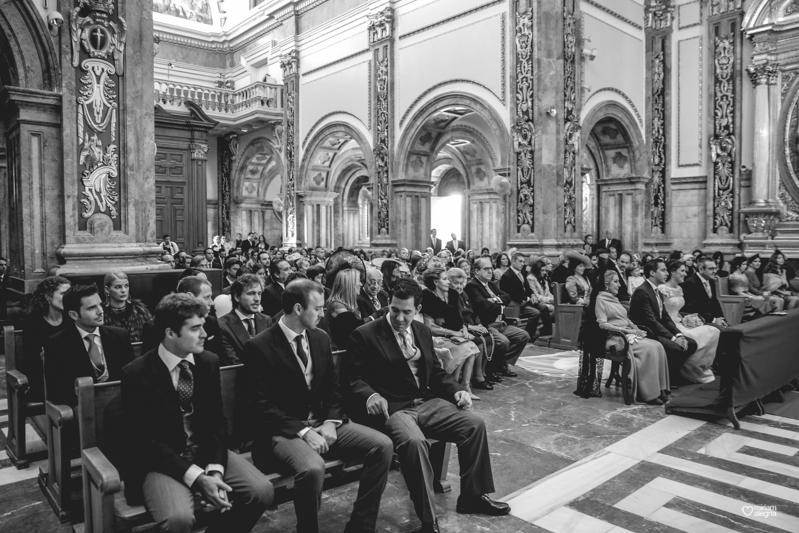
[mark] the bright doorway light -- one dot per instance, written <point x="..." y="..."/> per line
<point x="445" y="216"/>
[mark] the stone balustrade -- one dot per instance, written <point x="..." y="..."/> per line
<point x="218" y="102"/>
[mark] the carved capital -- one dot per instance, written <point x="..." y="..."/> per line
<point x="722" y="7"/>
<point x="791" y="8"/>
<point x="106" y="6"/>
<point x="199" y="152"/>
<point x="658" y="14"/>
<point x="763" y="73"/>
<point x="761" y="225"/>
<point x="290" y="63"/>
<point x="381" y="25"/>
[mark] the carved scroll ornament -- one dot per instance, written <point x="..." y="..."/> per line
<point x="572" y="123"/>
<point x="658" y="14"/>
<point x="290" y="64"/>
<point x="381" y="25"/>
<point x="523" y="131"/>
<point x="381" y="149"/>
<point x="723" y="142"/>
<point x="658" y="193"/>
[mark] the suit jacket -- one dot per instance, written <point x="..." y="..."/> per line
<point x="453" y="249"/>
<point x="66" y="359"/>
<point x="697" y="300"/>
<point x="365" y="305"/>
<point x="603" y="243"/>
<point x="516" y="289"/>
<point x="435" y="244"/>
<point x="272" y="299"/>
<point x="278" y="399"/>
<point x="375" y="364"/>
<point x="488" y="311"/>
<point x="246" y="245"/>
<point x="156" y="437"/>
<point x="560" y="274"/>
<point x="644" y="311"/>
<point x="233" y="335"/>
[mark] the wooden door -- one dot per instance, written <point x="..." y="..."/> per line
<point x="170" y="196"/>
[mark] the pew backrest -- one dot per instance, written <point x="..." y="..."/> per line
<point x="12" y="340"/>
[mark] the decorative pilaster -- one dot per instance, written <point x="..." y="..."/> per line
<point x="658" y="20"/>
<point x="523" y="129"/>
<point x="571" y="117"/>
<point x="290" y="64"/>
<point x="381" y="42"/>
<point x="319" y="220"/>
<point x="227" y="154"/>
<point x="724" y="34"/>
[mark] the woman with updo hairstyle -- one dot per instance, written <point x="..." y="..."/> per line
<point x="120" y="310"/>
<point x="45" y="318"/>
<point x="391" y="273"/>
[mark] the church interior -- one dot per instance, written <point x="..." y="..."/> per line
<point x="607" y="136"/>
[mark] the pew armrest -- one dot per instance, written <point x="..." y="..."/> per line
<point x="101" y="473"/>
<point x="59" y="414"/>
<point x="17" y="381"/>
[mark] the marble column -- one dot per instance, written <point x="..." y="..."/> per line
<point x="762" y="213"/>
<point x="412" y="203"/>
<point x="108" y="140"/>
<point x="319" y="220"/>
<point x="486" y="212"/>
<point x="290" y="64"/>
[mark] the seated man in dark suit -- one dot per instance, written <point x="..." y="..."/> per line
<point x="620" y="265"/>
<point x="488" y="302"/>
<point x="172" y="401"/>
<point x="515" y="283"/>
<point x="647" y="310"/>
<point x="244" y="322"/>
<point x="700" y="294"/>
<point x="396" y="382"/>
<point x="371" y="298"/>
<point x="87" y="349"/>
<point x="272" y="302"/>
<point x="294" y="402"/>
<point x="232" y="266"/>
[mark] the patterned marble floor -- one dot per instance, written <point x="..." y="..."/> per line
<point x="565" y="464"/>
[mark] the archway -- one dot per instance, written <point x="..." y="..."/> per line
<point x="614" y="175"/>
<point x="256" y="183"/>
<point x="453" y="146"/>
<point x="335" y="188"/>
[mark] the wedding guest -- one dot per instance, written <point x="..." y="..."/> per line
<point x="739" y="284"/>
<point x="120" y="310"/>
<point x="776" y="280"/>
<point x="753" y="265"/>
<point x="501" y="265"/>
<point x="577" y="285"/>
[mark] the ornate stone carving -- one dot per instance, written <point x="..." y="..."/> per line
<point x="723" y="142"/>
<point x="787" y="80"/>
<point x="721" y="7"/>
<point x="658" y="14"/>
<point x="277" y="131"/>
<point x="228" y="153"/>
<point x="791" y="206"/>
<point x="658" y="190"/>
<point x="523" y="131"/>
<point x="761" y="225"/>
<point x="571" y="130"/>
<point x="792" y="7"/>
<point x="381" y="25"/>
<point x="763" y="73"/>
<point x="381" y="149"/>
<point x="98" y="51"/>
<point x="199" y="152"/>
<point x="290" y="63"/>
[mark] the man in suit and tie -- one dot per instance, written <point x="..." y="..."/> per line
<point x="247" y="245"/>
<point x="700" y="294"/>
<point x="279" y="272"/>
<point x="454" y="245"/>
<point x="87" y="349"/>
<point x="371" y="298"/>
<point x="232" y="266"/>
<point x="607" y="242"/>
<point x="620" y="265"/>
<point x="245" y="321"/>
<point x="396" y="382"/>
<point x="489" y="302"/>
<point x="515" y="283"/>
<point x="172" y="401"/>
<point x="435" y="243"/>
<point x="295" y="405"/>
<point x="647" y="310"/>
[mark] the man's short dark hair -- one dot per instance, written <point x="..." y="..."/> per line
<point x="315" y="270"/>
<point x="197" y="260"/>
<point x="174" y="310"/>
<point x="230" y="261"/>
<point x="261" y="253"/>
<point x="208" y="250"/>
<point x="602" y="251"/>
<point x="241" y="283"/>
<point x="517" y="254"/>
<point x="274" y="267"/>
<point x="652" y="266"/>
<point x="192" y="285"/>
<point x="298" y="292"/>
<point x="76" y="293"/>
<point x="405" y="288"/>
<point x="705" y="259"/>
<point x="192" y="271"/>
<point x="166" y="236"/>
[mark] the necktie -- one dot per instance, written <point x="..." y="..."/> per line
<point x="707" y="288"/>
<point x="94" y="352"/>
<point x="376" y="303"/>
<point x="251" y="326"/>
<point x="301" y="351"/>
<point x="407" y="349"/>
<point x="660" y="303"/>
<point x="185" y="386"/>
<point x="490" y="292"/>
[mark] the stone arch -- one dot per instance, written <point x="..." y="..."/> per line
<point x="27" y="55"/>
<point x="256" y="182"/>
<point x="611" y="114"/>
<point x="334" y="156"/>
<point x="463" y="128"/>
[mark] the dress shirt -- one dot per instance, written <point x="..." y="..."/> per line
<point x="244" y="318"/>
<point x="102" y="376"/>
<point x="413" y="362"/>
<point x="307" y="370"/>
<point x="171" y="361"/>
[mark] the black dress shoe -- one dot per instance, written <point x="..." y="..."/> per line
<point x="508" y="373"/>
<point x="482" y="385"/>
<point x="493" y="378"/>
<point x="481" y="505"/>
<point x="429" y="528"/>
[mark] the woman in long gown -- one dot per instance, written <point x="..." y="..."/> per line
<point x="739" y="284"/>
<point x="650" y="368"/>
<point x="697" y="367"/>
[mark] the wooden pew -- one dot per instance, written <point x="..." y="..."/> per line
<point x="567" y="320"/>
<point x="20" y="408"/>
<point x="732" y="306"/>
<point x="101" y="423"/>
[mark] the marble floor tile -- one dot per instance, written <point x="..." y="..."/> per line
<point x="687" y="523"/>
<point x="565" y="520"/>
<point x="781" y="419"/>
